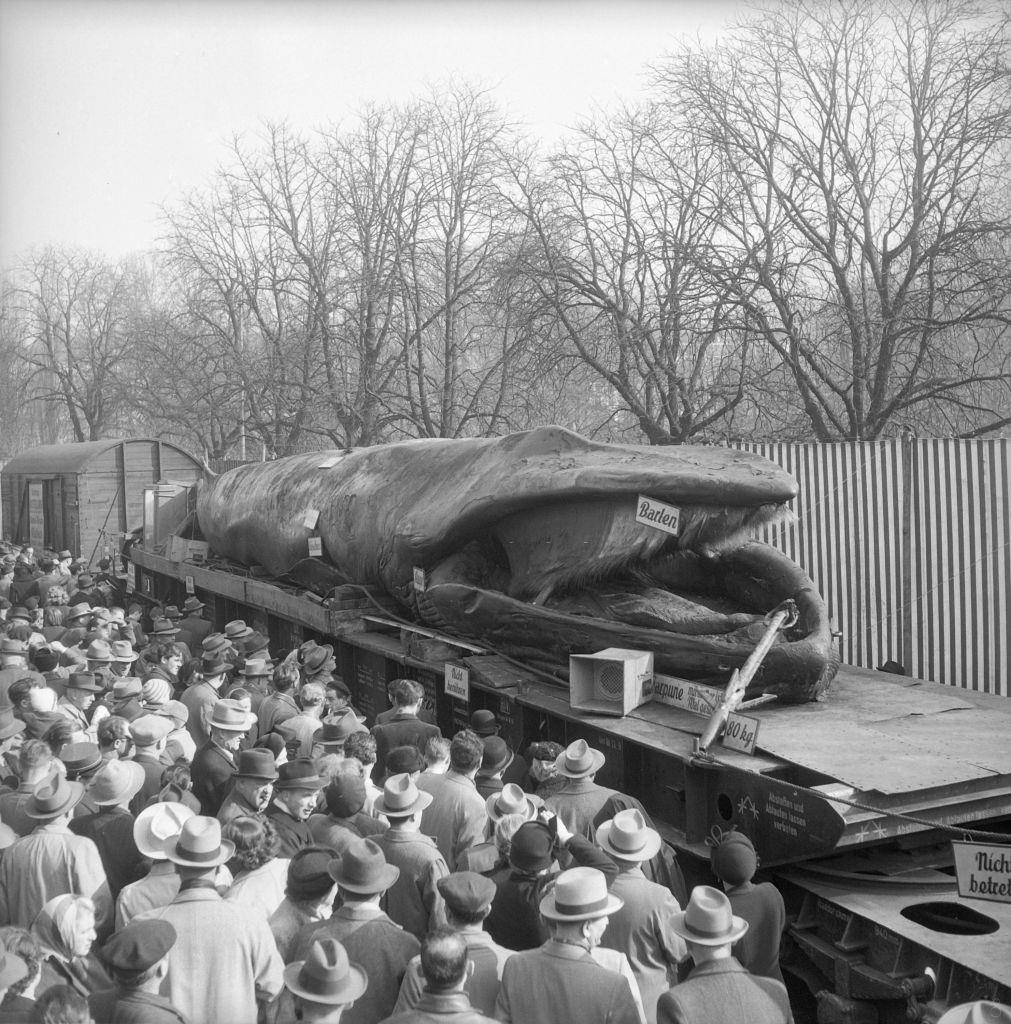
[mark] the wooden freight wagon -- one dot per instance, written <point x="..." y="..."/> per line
<point x="85" y="497"/>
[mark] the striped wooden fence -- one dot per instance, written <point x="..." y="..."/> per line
<point x="910" y="542"/>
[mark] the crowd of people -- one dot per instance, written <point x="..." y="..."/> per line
<point x="194" y="827"/>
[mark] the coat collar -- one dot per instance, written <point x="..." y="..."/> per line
<point x="443" y="1002"/>
<point x="729" y="965"/>
<point x="362" y="912"/>
<point x="564" y="951"/>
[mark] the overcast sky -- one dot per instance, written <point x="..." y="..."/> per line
<point x="108" y="109"/>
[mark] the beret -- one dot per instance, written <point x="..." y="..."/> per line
<point x="734" y="860"/>
<point x="140" y="945"/>
<point x="467" y="892"/>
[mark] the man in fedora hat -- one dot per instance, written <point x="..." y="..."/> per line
<point x="153" y="829"/>
<point x="13" y="665"/>
<point x="334" y="731"/>
<point x="52" y="860"/>
<point x="718" y="987"/>
<point x="643" y="928"/>
<point x="201" y="696"/>
<point x="447" y="969"/>
<point x="510" y="801"/>
<point x="467" y="898"/>
<point x="486" y="724"/>
<point x="110" y="828"/>
<point x="137" y="959"/>
<point x="253" y="676"/>
<point x="324" y="983"/>
<point x="346" y="818"/>
<point x="413" y="901"/>
<point x="560" y="980"/>
<point x="496" y="759"/>
<point x="126" y="697"/>
<point x="294" y="800"/>
<point x="124" y="657"/>
<point x="252" y="786"/>
<point x="82" y="689"/>
<point x="193" y="627"/>
<point x="580" y="800"/>
<point x="382" y="948"/>
<point x="214" y="763"/>
<point x="456" y="818"/>
<point x="224" y="963"/>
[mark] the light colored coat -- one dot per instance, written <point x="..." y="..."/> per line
<point x="414" y="901"/>
<point x="456" y="817"/>
<point x="49" y="862"/>
<point x="722" y="990"/>
<point x="223" y="961"/>
<point x="560" y="982"/>
<point x="642" y="931"/>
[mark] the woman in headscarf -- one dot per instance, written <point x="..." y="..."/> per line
<point x="65" y="932"/>
<point x="260" y="876"/>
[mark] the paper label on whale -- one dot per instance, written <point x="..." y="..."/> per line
<point x="657" y="514"/>
<point x="315" y="547"/>
<point x="419" y="580"/>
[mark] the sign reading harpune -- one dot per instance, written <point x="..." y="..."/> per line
<point x="983" y="870"/>
<point x="658" y="514"/>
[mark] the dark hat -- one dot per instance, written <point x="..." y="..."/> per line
<point x="236" y="629"/>
<point x="215" y="643"/>
<point x="338" y="727"/>
<point x="193" y="604"/>
<point x="84" y="681"/>
<point x="326" y="975"/>
<point x="299" y="773"/>
<point x="345" y="795"/>
<point x="64" y="555"/>
<point x="316" y="658"/>
<point x="497" y="755"/>
<point x="229" y="716"/>
<point x="19" y="612"/>
<point x="139" y="945"/>
<point x="256" y="764"/>
<point x="466" y="892"/>
<point x="81" y="758"/>
<point x="484" y="722"/>
<point x="532" y="847"/>
<point x="363" y="869"/>
<point x="308" y="874"/>
<point x="401" y="798"/>
<point x="709" y="919"/>
<point x="578" y="760"/>
<point x="213" y="666"/>
<point x="9" y="725"/>
<point x="271" y="742"/>
<point x="85" y="580"/>
<point x="53" y="797"/>
<point x="45" y="658"/>
<point x="199" y="844"/>
<point x="163" y="627"/>
<point x="580" y="894"/>
<point x="252" y="644"/>
<point x="404" y="759"/>
<point x="172" y="612"/>
<point x="734" y="860"/>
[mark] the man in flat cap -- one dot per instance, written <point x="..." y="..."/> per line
<point x="718" y="987"/>
<point x="467" y="897"/>
<point x="137" y="959"/>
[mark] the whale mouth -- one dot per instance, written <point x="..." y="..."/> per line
<point x="595" y="559"/>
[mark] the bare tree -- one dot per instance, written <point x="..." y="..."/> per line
<point x="868" y="141"/>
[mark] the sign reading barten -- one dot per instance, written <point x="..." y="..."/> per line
<point x="983" y="870"/>
<point x="654" y="513"/>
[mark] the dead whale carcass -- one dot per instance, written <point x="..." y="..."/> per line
<point x="530" y="544"/>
